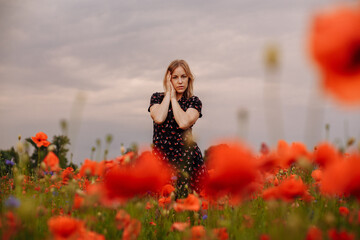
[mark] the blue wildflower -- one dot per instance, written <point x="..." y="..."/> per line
<point x="9" y="162"/>
<point x="12" y="202"/>
<point x="204" y="217"/>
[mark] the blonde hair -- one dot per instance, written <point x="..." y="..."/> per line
<point x="181" y="63"/>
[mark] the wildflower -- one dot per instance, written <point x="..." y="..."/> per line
<point x="335" y="47"/>
<point x="164" y="202"/>
<point x="288" y="190"/>
<point x="233" y="170"/>
<point x="167" y="190"/>
<point x="78" y="201"/>
<point x="40" y="139"/>
<point x="316" y="175"/>
<point x="65" y="227"/>
<point x="89" y="168"/>
<point x="132" y="230"/>
<point x="325" y="154"/>
<point x="191" y="203"/>
<point x="288" y="154"/>
<point x="179" y="226"/>
<point x="221" y="233"/>
<point x="342" y="177"/>
<point x="344" y="211"/>
<point x="264" y="237"/>
<point x="148" y="205"/>
<point x="343" y="235"/>
<point x="12" y="202"/>
<point x="197" y="232"/>
<point x="9" y="162"/>
<point x="314" y="233"/>
<point x="122" y="219"/>
<point x="51" y="162"/>
<point x="147" y="174"/>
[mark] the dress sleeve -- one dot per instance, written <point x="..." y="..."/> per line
<point x="196" y="103"/>
<point x="155" y="99"/>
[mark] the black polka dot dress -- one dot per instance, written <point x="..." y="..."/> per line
<point x="176" y="146"/>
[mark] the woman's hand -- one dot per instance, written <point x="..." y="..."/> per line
<point x="168" y="83"/>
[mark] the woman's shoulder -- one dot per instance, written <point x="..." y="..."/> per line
<point x="157" y="95"/>
<point x="194" y="99"/>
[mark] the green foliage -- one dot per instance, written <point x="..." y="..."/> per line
<point x="10" y="154"/>
<point x="60" y="143"/>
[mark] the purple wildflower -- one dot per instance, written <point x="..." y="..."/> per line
<point x="12" y="202"/>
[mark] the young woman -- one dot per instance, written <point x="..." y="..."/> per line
<point x="174" y="113"/>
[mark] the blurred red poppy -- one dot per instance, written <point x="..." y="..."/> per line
<point x="65" y="227"/>
<point x="52" y="162"/>
<point x="314" y="233"/>
<point x="198" y="232"/>
<point x="191" y="203"/>
<point x="325" y="154"/>
<point x="221" y="233"/>
<point x="335" y="47"/>
<point x="148" y="174"/>
<point x="233" y="170"/>
<point x="344" y="211"/>
<point x="288" y="190"/>
<point x="342" y="177"/>
<point x="342" y="235"/>
<point x="179" y="226"/>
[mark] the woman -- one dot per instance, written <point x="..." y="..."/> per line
<point x="174" y="112"/>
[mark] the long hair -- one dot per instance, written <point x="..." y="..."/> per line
<point x="182" y="63"/>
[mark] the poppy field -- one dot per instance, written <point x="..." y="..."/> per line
<point x="288" y="191"/>
<point x="270" y="194"/>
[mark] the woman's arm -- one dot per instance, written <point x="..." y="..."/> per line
<point x="158" y="112"/>
<point x="184" y="119"/>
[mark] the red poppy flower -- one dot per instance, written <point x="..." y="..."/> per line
<point x="233" y="170"/>
<point x="335" y="46"/>
<point x="179" y="226"/>
<point x="325" y="154"/>
<point x="164" y="202"/>
<point x="343" y="235"/>
<point x="167" y="190"/>
<point x="288" y="154"/>
<point x="288" y="190"/>
<point x="314" y="233"/>
<point x="342" y="177"/>
<point x="132" y="230"/>
<point x="65" y="227"/>
<point x="40" y="139"/>
<point x="221" y="233"/>
<point x="122" y="219"/>
<point x="92" y="168"/>
<point x="191" y="203"/>
<point x="52" y="162"/>
<point x="316" y="175"/>
<point x="147" y="174"/>
<point x="78" y="201"/>
<point x="344" y="211"/>
<point x="198" y="232"/>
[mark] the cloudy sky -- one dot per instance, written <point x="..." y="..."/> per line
<point x="96" y="64"/>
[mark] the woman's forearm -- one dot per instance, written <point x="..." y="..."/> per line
<point x="182" y="118"/>
<point x="159" y="112"/>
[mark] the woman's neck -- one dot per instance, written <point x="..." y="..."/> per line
<point x="178" y="96"/>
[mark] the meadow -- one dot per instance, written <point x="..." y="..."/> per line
<point x="282" y="192"/>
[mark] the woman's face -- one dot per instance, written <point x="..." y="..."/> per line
<point x="179" y="80"/>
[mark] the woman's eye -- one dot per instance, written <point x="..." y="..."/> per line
<point x="183" y="76"/>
